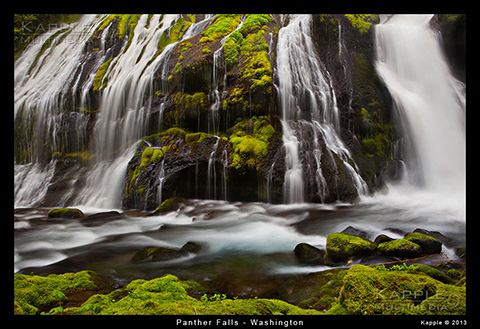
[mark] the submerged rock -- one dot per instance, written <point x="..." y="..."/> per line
<point x="162" y="254"/>
<point x="309" y="254"/>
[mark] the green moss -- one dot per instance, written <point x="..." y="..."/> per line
<point x="97" y="81"/>
<point x="222" y="25"/>
<point x="171" y="204"/>
<point x="400" y="248"/>
<point x="368" y="291"/>
<point x="65" y="213"/>
<point x="258" y="69"/>
<point x="429" y="244"/>
<point x="33" y="293"/>
<point x="254" y="22"/>
<point x="169" y="295"/>
<point x="362" y="22"/>
<point x="248" y="149"/>
<point x="231" y="47"/>
<point x="341" y="246"/>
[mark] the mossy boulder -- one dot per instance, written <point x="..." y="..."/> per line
<point x="342" y="246"/>
<point x="33" y="294"/>
<point x="169" y="295"/>
<point x="400" y="248"/>
<point x="368" y="291"/>
<point x="429" y="244"/>
<point x="65" y="213"/>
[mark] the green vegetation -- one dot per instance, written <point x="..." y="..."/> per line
<point x="34" y="294"/>
<point x="164" y="295"/>
<point x="368" y="291"/>
<point x="361" y="290"/>
<point x="249" y="148"/>
<point x="222" y="25"/>
<point x="341" y="246"/>
<point x="99" y="77"/>
<point x="65" y="213"/>
<point x="401" y="248"/>
<point x="362" y="22"/>
<point x="174" y="33"/>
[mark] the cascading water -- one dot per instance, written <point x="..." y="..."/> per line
<point x="124" y="111"/>
<point x="307" y="102"/>
<point x="46" y="81"/>
<point x="430" y="103"/>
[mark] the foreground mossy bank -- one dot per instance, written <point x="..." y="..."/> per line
<point x="360" y="290"/>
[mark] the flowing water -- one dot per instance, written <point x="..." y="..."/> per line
<point x="248" y="245"/>
<point x="307" y="103"/>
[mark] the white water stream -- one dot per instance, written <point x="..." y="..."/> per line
<point x="429" y="101"/>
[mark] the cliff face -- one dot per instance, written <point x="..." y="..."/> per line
<point x="207" y="118"/>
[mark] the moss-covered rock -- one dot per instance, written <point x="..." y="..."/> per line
<point x="369" y="291"/>
<point x="169" y="295"/>
<point x="429" y="244"/>
<point x="342" y="246"/>
<point x="400" y="248"/>
<point x="33" y="294"/>
<point x="169" y="205"/>
<point x="65" y="213"/>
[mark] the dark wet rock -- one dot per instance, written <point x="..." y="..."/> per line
<point x="382" y="238"/>
<point x="429" y="245"/>
<point x="396" y="231"/>
<point x="194" y="247"/>
<point x="353" y="231"/>
<point x="309" y="254"/>
<point x="157" y="254"/>
<point x="162" y="254"/>
<point x="435" y="234"/>
<point x="65" y="213"/>
<point x="102" y="217"/>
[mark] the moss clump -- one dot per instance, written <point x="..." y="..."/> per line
<point x="169" y="295"/>
<point x="168" y="205"/>
<point x="429" y="244"/>
<point x="342" y="246"/>
<point x="249" y="142"/>
<point x="32" y="293"/>
<point x="97" y="81"/>
<point x="362" y="22"/>
<point x="254" y="50"/>
<point x="400" y="248"/>
<point x="65" y="213"/>
<point x="222" y="25"/>
<point x="368" y="291"/>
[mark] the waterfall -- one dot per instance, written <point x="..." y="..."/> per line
<point x="308" y="103"/>
<point x="46" y="109"/>
<point x="429" y="102"/>
<point x="125" y="107"/>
